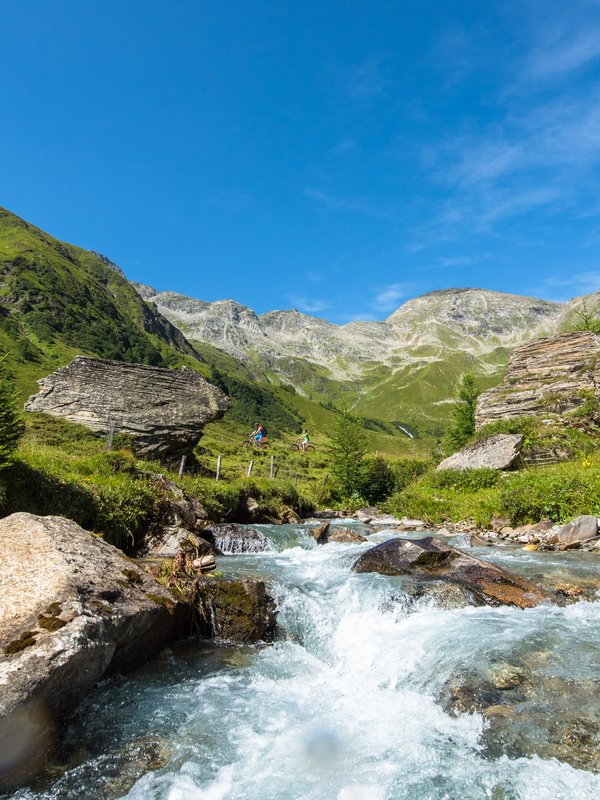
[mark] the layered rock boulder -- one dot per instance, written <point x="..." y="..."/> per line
<point x="164" y="410"/>
<point x="431" y="560"/>
<point x="499" y="451"/>
<point x="552" y="375"/>
<point x="73" y="609"/>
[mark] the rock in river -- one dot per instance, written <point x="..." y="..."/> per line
<point x="236" y="609"/>
<point x="432" y="560"/>
<point x="164" y="410"/>
<point x="73" y="609"/>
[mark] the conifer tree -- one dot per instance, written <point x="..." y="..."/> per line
<point x="464" y="412"/>
<point x="347" y="448"/>
<point x="11" y="422"/>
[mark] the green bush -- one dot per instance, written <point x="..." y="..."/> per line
<point x="11" y="421"/>
<point x="407" y="470"/>
<point x="378" y="480"/>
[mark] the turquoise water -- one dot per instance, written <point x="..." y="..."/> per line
<point x="349" y="703"/>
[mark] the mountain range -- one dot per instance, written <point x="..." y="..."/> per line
<point x="58" y="300"/>
<point x="404" y="368"/>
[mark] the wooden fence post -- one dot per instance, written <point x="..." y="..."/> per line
<point x="111" y="432"/>
<point x="250" y="465"/>
<point x="271" y="471"/>
<point x="218" y="467"/>
<point x="182" y="466"/>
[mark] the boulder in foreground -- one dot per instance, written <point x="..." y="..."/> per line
<point x="164" y="410"/>
<point x="500" y="451"/>
<point x="432" y="560"/>
<point x="73" y="609"/>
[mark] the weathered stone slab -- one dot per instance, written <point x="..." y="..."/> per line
<point x="500" y="451"/>
<point x="549" y="375"/>
<point x="165" y="410"/>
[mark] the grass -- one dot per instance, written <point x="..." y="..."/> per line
<point x="559" y="492"/>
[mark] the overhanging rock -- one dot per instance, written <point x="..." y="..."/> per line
<point x="165" y="410"/>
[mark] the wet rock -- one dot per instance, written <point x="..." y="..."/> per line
<point x="289" y="517"/>
<point x="407" y="524"/>
<point x="164" y="410"/>
<point x="507" y="676"/>
<point x="239" y="610"/>
<point x="321" y="533"/>
<point x="73" y="610"/>
<point x="500" y="451"/>
<point x="329" y="513"/>
<point x="434" y="560"/>
<point x="232" y="538"/>
<point x="346" y="535"/>
<point x="479" y="541"/>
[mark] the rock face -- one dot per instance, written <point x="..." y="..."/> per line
<point x="239" y="610"/>
<point x="500" y="451"/>
<point x="164" y="410"/>
<point x="73" y="610"/>
<point x="551" y="375"/>
<point x="432" y="560"/>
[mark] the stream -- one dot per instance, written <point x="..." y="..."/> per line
<point x="354" y="699"/>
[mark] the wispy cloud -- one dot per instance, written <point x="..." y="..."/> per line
<point x="359" y="205"/>
<point x="561" y="288"/>
<point x="389" y="297"/>
<point x="310" y="305"/>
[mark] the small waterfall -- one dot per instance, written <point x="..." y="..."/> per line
<point x="241" y="540"/>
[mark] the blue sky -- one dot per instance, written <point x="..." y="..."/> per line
<point x="335" y="157"/>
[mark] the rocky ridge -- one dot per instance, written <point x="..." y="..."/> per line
<point x="549" y="376"/>
<point x="476" y="320"/>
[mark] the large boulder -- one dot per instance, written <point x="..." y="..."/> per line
<point x="73" y="609"/>
<point x="499" y="451"/>
<point x="433" y="560"/>
<point x="235" y="609"/>
<point x="547" y="375"/>
<point x="164" y="410"/>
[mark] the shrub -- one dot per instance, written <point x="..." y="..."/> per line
<point x="11" y="422"/>
<point x="464" y="480"/>
<point x="377" y="481"/>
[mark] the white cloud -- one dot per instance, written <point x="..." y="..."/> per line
<point x="390" y="296"/>
<point x="309" y="305"/>
<point x="561" y="288"/>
